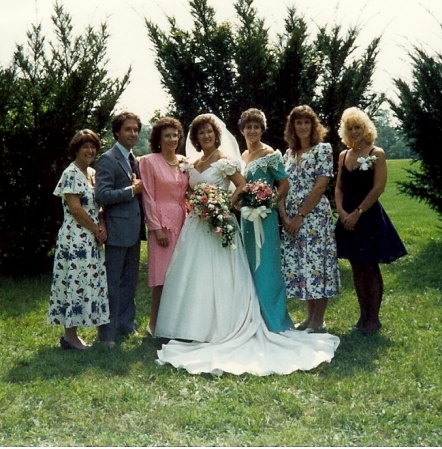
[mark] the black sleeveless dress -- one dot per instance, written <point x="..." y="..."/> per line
<point x="374" y="238"/>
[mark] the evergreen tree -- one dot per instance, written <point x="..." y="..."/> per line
<point x="344" y="80"/>
<point x="197" y="68"/>
<point x="420" y="112"/>
<point x="225" y="69"/>
<point x="295" y="75"/>
<point x="49" y="93"/>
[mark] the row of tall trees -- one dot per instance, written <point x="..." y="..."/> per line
<point x="50" y="91"/>
<point x="225" y="68"/>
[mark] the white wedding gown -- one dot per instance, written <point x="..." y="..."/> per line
<point x="209" y="298"/>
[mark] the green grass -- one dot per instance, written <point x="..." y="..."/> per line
<point x="383" y="390"/>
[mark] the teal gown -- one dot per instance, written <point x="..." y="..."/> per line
<point x="269" y="283"/>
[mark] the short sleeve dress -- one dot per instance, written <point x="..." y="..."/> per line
<point x="374" y="238"/>
<point x="268" y="276"/>
<point x="79" y="285"/>
<point x="309" y="260"/>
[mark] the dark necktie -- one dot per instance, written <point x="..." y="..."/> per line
<point x="134" y="165"/>
<point x="136" y="171"/>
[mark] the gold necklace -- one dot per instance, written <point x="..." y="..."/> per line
<point x="208" y="157"/>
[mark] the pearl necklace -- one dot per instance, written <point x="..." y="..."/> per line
<point x="208" y="157"/>
<point x="170" y="163"/>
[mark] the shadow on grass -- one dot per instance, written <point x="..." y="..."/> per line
<point x="358" y="353"/>
<point x="415" y="272"/>
<point x="52" y="362"/>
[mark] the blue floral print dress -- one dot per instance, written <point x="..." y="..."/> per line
<point x="309" y="259"/>
<point x="79" y="285"/>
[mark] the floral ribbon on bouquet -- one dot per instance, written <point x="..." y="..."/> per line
<point x="255" y="215"/>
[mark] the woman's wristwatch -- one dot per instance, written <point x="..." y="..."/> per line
<point x="359" y="209"/>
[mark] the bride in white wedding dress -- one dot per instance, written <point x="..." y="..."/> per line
<point x="209" y="297"/>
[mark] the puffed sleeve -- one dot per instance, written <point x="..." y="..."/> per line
<point x="227" y="167"/>
<point x="324" y="165"/>
<point x="276" y="165"/>
<point x="72" y="181"/>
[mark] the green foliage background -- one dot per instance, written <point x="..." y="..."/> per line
<point x="225" y="68"/>
<point x="53" y="89"/>
<point x="419" y="110"/>
<point x="45" y="98"/>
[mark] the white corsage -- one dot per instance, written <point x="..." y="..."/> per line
<point x="366" y="162"/>
<point x="185" y="165"/>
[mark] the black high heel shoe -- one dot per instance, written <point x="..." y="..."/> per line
<point x="66" y="345"/>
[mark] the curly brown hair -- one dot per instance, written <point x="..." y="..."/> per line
<point x="196" y="125"/>
<point x="157" y="128"/>
<point x="82" y="137"/>
<point x="252" y="115"/>
<point x="318" y="130"/>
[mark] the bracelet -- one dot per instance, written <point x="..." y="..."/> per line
<point x="301" y="214"/>
<point x="359" y="210"/>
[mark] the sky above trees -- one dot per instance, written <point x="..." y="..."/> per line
<point x="402" y="24"/>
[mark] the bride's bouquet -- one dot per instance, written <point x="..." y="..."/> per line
<point x="257" y="201"/>
<point x="212" y="203"/>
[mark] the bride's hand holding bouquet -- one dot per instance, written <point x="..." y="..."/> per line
<point x="212" y="203"/>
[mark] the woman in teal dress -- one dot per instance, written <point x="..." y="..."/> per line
<point x="264" y="163"/>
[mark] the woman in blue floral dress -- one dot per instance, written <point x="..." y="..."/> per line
<point x="79" y="286"/>
<point x="309" y="256"/>
<point x="263" y="163"/>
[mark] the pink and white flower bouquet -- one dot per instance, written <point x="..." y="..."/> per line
<point x="212" y="203"/>
<point x="257" y="194"/>
<point x="257" y="201"/>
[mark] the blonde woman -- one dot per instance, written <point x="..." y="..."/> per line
<point x="364" y="233"/>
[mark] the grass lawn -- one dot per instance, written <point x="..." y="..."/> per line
<point x="384" y="390"/>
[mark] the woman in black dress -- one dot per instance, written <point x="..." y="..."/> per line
<point x="364" y="233"/>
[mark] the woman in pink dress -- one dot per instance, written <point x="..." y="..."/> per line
<point x="164" y="193"/>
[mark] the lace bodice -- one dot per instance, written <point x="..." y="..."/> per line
<point x="264" y="163"/>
